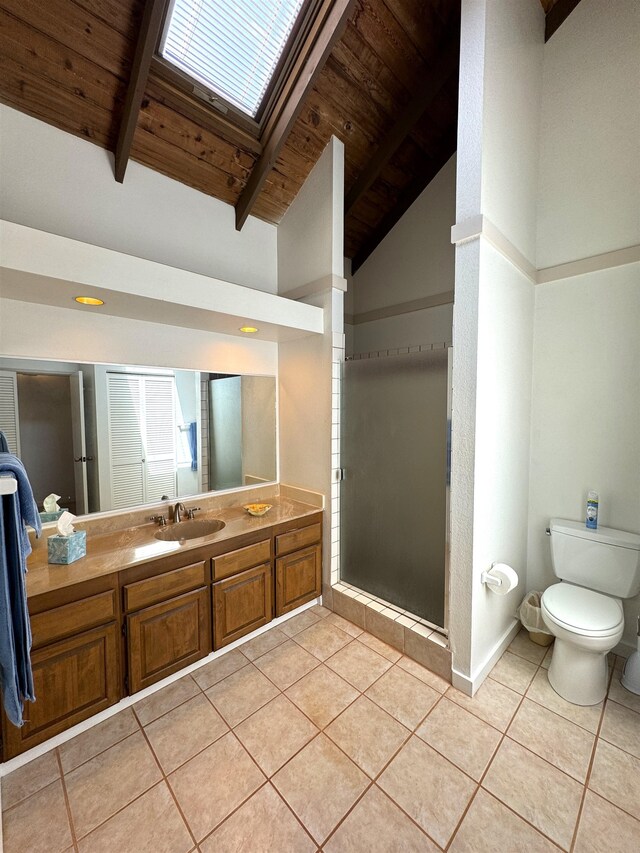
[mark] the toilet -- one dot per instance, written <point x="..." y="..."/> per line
<point x="584" y="612"/>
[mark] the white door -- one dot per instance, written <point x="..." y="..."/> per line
<point x="79" y="443"/>
<point x="9" y="419"/>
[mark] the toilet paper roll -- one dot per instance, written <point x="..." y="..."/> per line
<point x="507" y="576"/>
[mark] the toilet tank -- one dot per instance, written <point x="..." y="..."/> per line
<point x="605" y="559"/>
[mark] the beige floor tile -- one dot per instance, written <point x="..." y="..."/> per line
<point x="514" y="672"/>
<point x="605" y="827"/>
<point x="358" y="664"/>
<point x="286" y="664"/>
<point x="541" y="794"/>
<point x="322" y="695"/>
<point x="299" y="623"/>
<point x="214" y="783"/>
<point x="164" y="700"/>
<point x="263" y="643"/>
<point x="428" y="788"/>
<point x="322" y="639"/>
<point x="241" y="694"/>
<point x="368" y="735"/>
<point x="320" y="784"/>
<point x="403" y="696"/>
<point x="525" y="648"/>
<point x="95" y="740"/>
<point x="150" y="823"/>
<point x="431" y="678"/>
<point x="465" y="740"/>
<point x="540" y="691"/>
<point x="275" y="733"/>
<point x="623" y="696"/>
<point x="344" y="625"/>
<point x="490" y="827"/>
<point x="621" y="727"/>
<point x="108" y="782"/>
<point x="552" y="737"/>
<point x="179" y="735"/>
<point x="320" y="610"/>
<point x="494" y="703"/>
<point x="220" y="668"/>
<point x="615" y="775"/>
<point x="38" y="824"/>
<point x="377" y="824"/>
<point x="29" y="778"/>
<point x="264" y="824"/>
<point x="384" y="649"/>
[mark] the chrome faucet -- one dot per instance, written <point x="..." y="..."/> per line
<point x="178" y="509"/>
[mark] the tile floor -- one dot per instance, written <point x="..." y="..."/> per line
<point x="316" y="735"/>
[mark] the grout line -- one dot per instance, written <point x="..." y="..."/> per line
<point x="67" y="802"/>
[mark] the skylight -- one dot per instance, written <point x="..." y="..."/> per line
<point x="231" y="46"/>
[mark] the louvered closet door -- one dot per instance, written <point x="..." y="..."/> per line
<point x="160" y="437"/>
<point x="124" y="395"/>
<point x="9" y="421"/>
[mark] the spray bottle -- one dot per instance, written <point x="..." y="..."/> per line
<point x="592" y="510"/>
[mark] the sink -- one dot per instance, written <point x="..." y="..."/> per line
<point x="189" y="530"/>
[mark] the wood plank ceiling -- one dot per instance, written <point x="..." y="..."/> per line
<point x="388" y="90"/>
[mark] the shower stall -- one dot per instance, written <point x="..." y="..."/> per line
<point x="395" y="457"/>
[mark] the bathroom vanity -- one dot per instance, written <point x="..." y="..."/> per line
<point x="137" y="609"/>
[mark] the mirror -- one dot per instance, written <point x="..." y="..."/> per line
<point x="115" y="436"/>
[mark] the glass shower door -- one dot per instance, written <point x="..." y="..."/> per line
<point x="393" y="498"/>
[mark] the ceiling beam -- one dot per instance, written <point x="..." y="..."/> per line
<point x="333" y="22"/>
<point x="406" y="199"/>
<point x="148" y="36"/>
<point x="442" y="69"/>
<point x="557" y="15"/>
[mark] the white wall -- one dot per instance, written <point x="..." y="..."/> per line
<point x="414" y="261"/>
<point x="586" y="380"/>
<point x="501" y="45"/>
<point x="56" y="182"/>
<point x="589" y="188"/>
<point x="585" y="430"/>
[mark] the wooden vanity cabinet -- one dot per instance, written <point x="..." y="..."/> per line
<point x="241" y="604"/>
<point x="168" y="620"/>
<point x="76" y="661"/>
<point x="298" y="568"/>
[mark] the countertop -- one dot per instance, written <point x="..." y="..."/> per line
<point x="116" y="551"/>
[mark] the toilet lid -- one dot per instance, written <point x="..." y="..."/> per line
<point x="582" y="609"/>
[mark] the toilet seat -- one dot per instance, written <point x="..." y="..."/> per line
<point x="583" y="611"/>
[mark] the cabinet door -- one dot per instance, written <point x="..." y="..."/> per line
<point x="298" y="578"/>
<point x="166" y="637"/>
<point x="73" y="679"/>
<point x="241" y="604"/>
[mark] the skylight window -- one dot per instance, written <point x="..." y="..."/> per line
<point x="233" y="47"/>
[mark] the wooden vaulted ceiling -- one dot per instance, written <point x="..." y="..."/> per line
<point x="388" y="90"/>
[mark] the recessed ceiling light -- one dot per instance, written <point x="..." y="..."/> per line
<point x="249" y="330"/>
<point x="88" y="300"/>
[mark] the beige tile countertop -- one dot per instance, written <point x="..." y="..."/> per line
<point x="116" y="550"/>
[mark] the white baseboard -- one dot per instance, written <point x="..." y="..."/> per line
<point x="128" y="701"/>
<point x="469" y="684"/>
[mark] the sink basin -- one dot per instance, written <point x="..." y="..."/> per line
<point x="189" y="530"/>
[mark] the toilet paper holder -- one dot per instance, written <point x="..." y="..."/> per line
<point x="490" y="579"/>
<point x="501" y="579"/>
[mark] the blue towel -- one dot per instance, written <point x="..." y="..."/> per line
<point x="16" y="678"/>
<point x="192" y="435"/>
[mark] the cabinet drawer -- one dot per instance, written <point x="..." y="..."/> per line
<point x="243" y="558"/>
<point x="167" y="637"/>
<point x="241" y="604"/>
<point x="298" y="578"/>
<point x="297" y="539"/>
<point x="161" y="587"/>
<point x="72" y="618"/>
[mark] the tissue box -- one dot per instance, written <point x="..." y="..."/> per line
<point x="67" y="549"/>
<point x="51" y="516"/>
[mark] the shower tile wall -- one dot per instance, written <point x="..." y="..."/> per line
<point x="336" y="368"/>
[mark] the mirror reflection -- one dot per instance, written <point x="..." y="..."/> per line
<point x="107" y="437"/>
